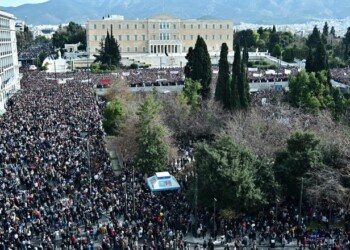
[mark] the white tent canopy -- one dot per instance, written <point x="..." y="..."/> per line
<point x="162" y="181"/>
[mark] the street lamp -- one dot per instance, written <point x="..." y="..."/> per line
<point x="215" y="200"/>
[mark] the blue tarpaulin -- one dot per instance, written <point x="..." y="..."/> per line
<point x="162" y="181"/>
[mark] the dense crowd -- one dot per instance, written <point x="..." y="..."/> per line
<point x="49" y="199"/>
<point x="175" y="76"/>
<point x="341" y="75"/>
<point x="154" y="76"/>
<point x="34" y="50"/>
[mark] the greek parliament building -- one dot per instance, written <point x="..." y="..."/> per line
<point x="161" y="40"/>
<point x="9" y="69"/>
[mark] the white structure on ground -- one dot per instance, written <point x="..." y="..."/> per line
<point x="58" y="65"/>
<point x="9" y="69"/>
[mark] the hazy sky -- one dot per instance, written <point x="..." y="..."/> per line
<point x="14" y="3"/>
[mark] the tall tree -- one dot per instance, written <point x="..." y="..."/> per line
<point x="236" y="71"/>
<point x="320" y="58"/>
<point x="109" y="54"/>
<point x="223" y="88"/>
<point x="325" y="31"/>
<point x="198" y="67"/>
<point x="239" y="83"/>
<point x="346" y="42"/>
<point x="314" y="38"/>
<point x="152" y="152"/>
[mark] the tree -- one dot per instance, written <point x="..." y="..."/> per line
<point x="223" y="88"/>
<point x="229" y="170"/>
<point x="240" y="95"/>
<point x="198" y="67"/>
<point x="245" y="38"/>
<point x="325" y="31"/>
<point x="288" y="55"/>
<point x="72" y="34"/>
<point x="320" y="59"/>
<point x="309" y="65"/>
<point x="346" y="42"/>
<point x="276" y="52"/>
<point x="314" y="38"/>
<point x="303" y="154"/>
<point x="236" y="71"/>
<point x="24" y="39"/>
<point x="190" y="93"/>
<point x="274" y="39"/>
<point x="109" y="54"/>
<point x="332" y="32"/>
<point x="114" y="117"/>
<point x="152" y="152"/>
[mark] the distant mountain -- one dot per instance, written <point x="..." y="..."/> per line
<point x="253" y="11"/>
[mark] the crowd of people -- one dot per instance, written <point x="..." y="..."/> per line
<point x="153" y="77"/>
<point x="341" y="75"/>
<point x="58" y="189"/>
<point x="34" y="50"/>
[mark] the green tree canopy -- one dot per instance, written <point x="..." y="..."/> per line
<point x="190" y="93"/>
<point x="72" y="34"/>
<point x="303" y="154"/>
<point x="229" y="172"/>
<point x="152" y="152"/>
<point x="114" y="117"/>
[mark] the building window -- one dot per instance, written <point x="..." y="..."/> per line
<point x="220" y="26"/>
<point x="184" y="37"/>
<point x="120" y="37"/>
<point x="228" y="37"/>
<point x="213" y="26"/>
<point x="135" y="37"/>
<point x="213" y="37"/>
<point x="191" y="37"/>
<point x="144" y="49"/>
<point x="120" y="26"/>
<point x="143" y="37"/>
<point x="135" y="49"/>
<point x="128" y="49"/>
<point x="120" y="49"/>
<point x="95" y="38"/>
<point x="127" y="26"/>
<point x="220" y="37"/>
<point x="143" y="26"/>
<point x="206" y="37"/>
<point x="191" y="26"/>
<point x="206" y="26"/>
<point x="154" y="37"/>
<point x="127" y="37"/>
<point x="135" y="26"/>
<point x="228" y="26"/>
<point x="154" y="26"/>
<point x="103" y="26"/>
<point x="184" y="26"/>
<point x="213" y="47"/>
<point x="184" y="49"/>
<point x="95" y="26"/>
<point x="174" y="37"/>
<point x="111" y="27"/>
<point x="104" y="37"/>
<point x="199" y="26"/>
<point x="174" y="25"/>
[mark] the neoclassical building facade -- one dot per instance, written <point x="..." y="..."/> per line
<point x="9" y="68"/>
<point x="162" y="34"/>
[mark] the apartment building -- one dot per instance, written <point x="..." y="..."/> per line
<point x="9" y="69"/>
